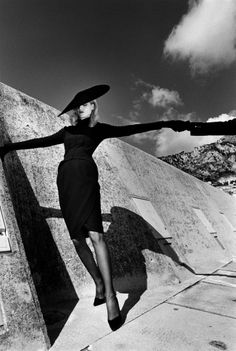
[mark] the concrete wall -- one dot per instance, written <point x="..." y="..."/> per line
<point x="171" y="250"/>
<point x="30" y="198"/>
<point x="22" y="325"/>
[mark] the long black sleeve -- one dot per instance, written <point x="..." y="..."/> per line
<point x="50" y="140"/>
<point x="213" y="128"/>
<point x="110" y="131"/>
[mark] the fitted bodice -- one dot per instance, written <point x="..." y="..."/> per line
<point x="81" y="142"/>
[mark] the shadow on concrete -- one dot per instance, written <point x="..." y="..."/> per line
<point x="131" y="232"/>
<point x="127" y="235"/>
<point x="49" y="274"/>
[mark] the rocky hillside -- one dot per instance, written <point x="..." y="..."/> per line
<point x="214" y="163"/>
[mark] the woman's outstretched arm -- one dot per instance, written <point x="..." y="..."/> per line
<point x="110" y="131"/>
<point x="195" y="128"/>
<point x="213" y="128"/>
<point x="205" y="128"/>
<point x="50" y="140"/>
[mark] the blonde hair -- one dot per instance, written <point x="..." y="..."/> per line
<point x="94" y="118"/>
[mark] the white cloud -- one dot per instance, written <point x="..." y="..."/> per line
<point x="232" y="113"/>
<point x="157" y="96"/>
<point x="222" y="118"/>
<point x="169" y="142"/>
<point x="162" y="97"/>
<point x="171" y="114"/>
<point x="205" y="36"/>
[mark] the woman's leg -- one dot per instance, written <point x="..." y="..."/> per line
<point x="104" y="264"/>
<point x="87" y="259"/>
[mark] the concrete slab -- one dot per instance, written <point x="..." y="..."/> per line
<point x="172" y="328"/>
<point x="87" y="323"/>
<point x="207" y="297"/>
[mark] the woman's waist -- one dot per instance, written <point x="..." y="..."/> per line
<point x="78" y="158"/>
<point x="78" y="153"/>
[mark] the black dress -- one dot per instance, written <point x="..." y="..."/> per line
<point x="77" y="178"/>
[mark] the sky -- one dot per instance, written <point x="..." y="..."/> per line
<point x="164" y="59"/>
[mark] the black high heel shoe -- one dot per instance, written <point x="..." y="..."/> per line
<point x="97" y="301"/>
<point x="116" y="322"/>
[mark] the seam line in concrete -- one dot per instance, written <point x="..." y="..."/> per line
<point x="229" y="270"/>
<point x="226" y="264"/>
<point x="199" y="309"/>
<point x="219" y="283"/>
<point x="225" y="271"/>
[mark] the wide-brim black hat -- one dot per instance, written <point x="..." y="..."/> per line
<point x="85" y="96"/>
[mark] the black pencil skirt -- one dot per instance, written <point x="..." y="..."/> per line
<point x="79" y="197"/>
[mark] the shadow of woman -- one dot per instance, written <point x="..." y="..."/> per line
<point x="127" y="235"/>
<point x="51" y="279"/>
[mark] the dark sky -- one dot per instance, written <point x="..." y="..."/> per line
<point x="52" y="49"/>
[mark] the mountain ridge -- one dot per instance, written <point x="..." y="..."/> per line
<point x="214" y="163"/>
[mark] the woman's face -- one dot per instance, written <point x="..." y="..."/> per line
<point x="82" y="112"/>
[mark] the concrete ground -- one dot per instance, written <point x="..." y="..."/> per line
<point x="197" y="315"/>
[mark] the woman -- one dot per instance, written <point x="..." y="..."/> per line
<point x="79" y="190"/>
